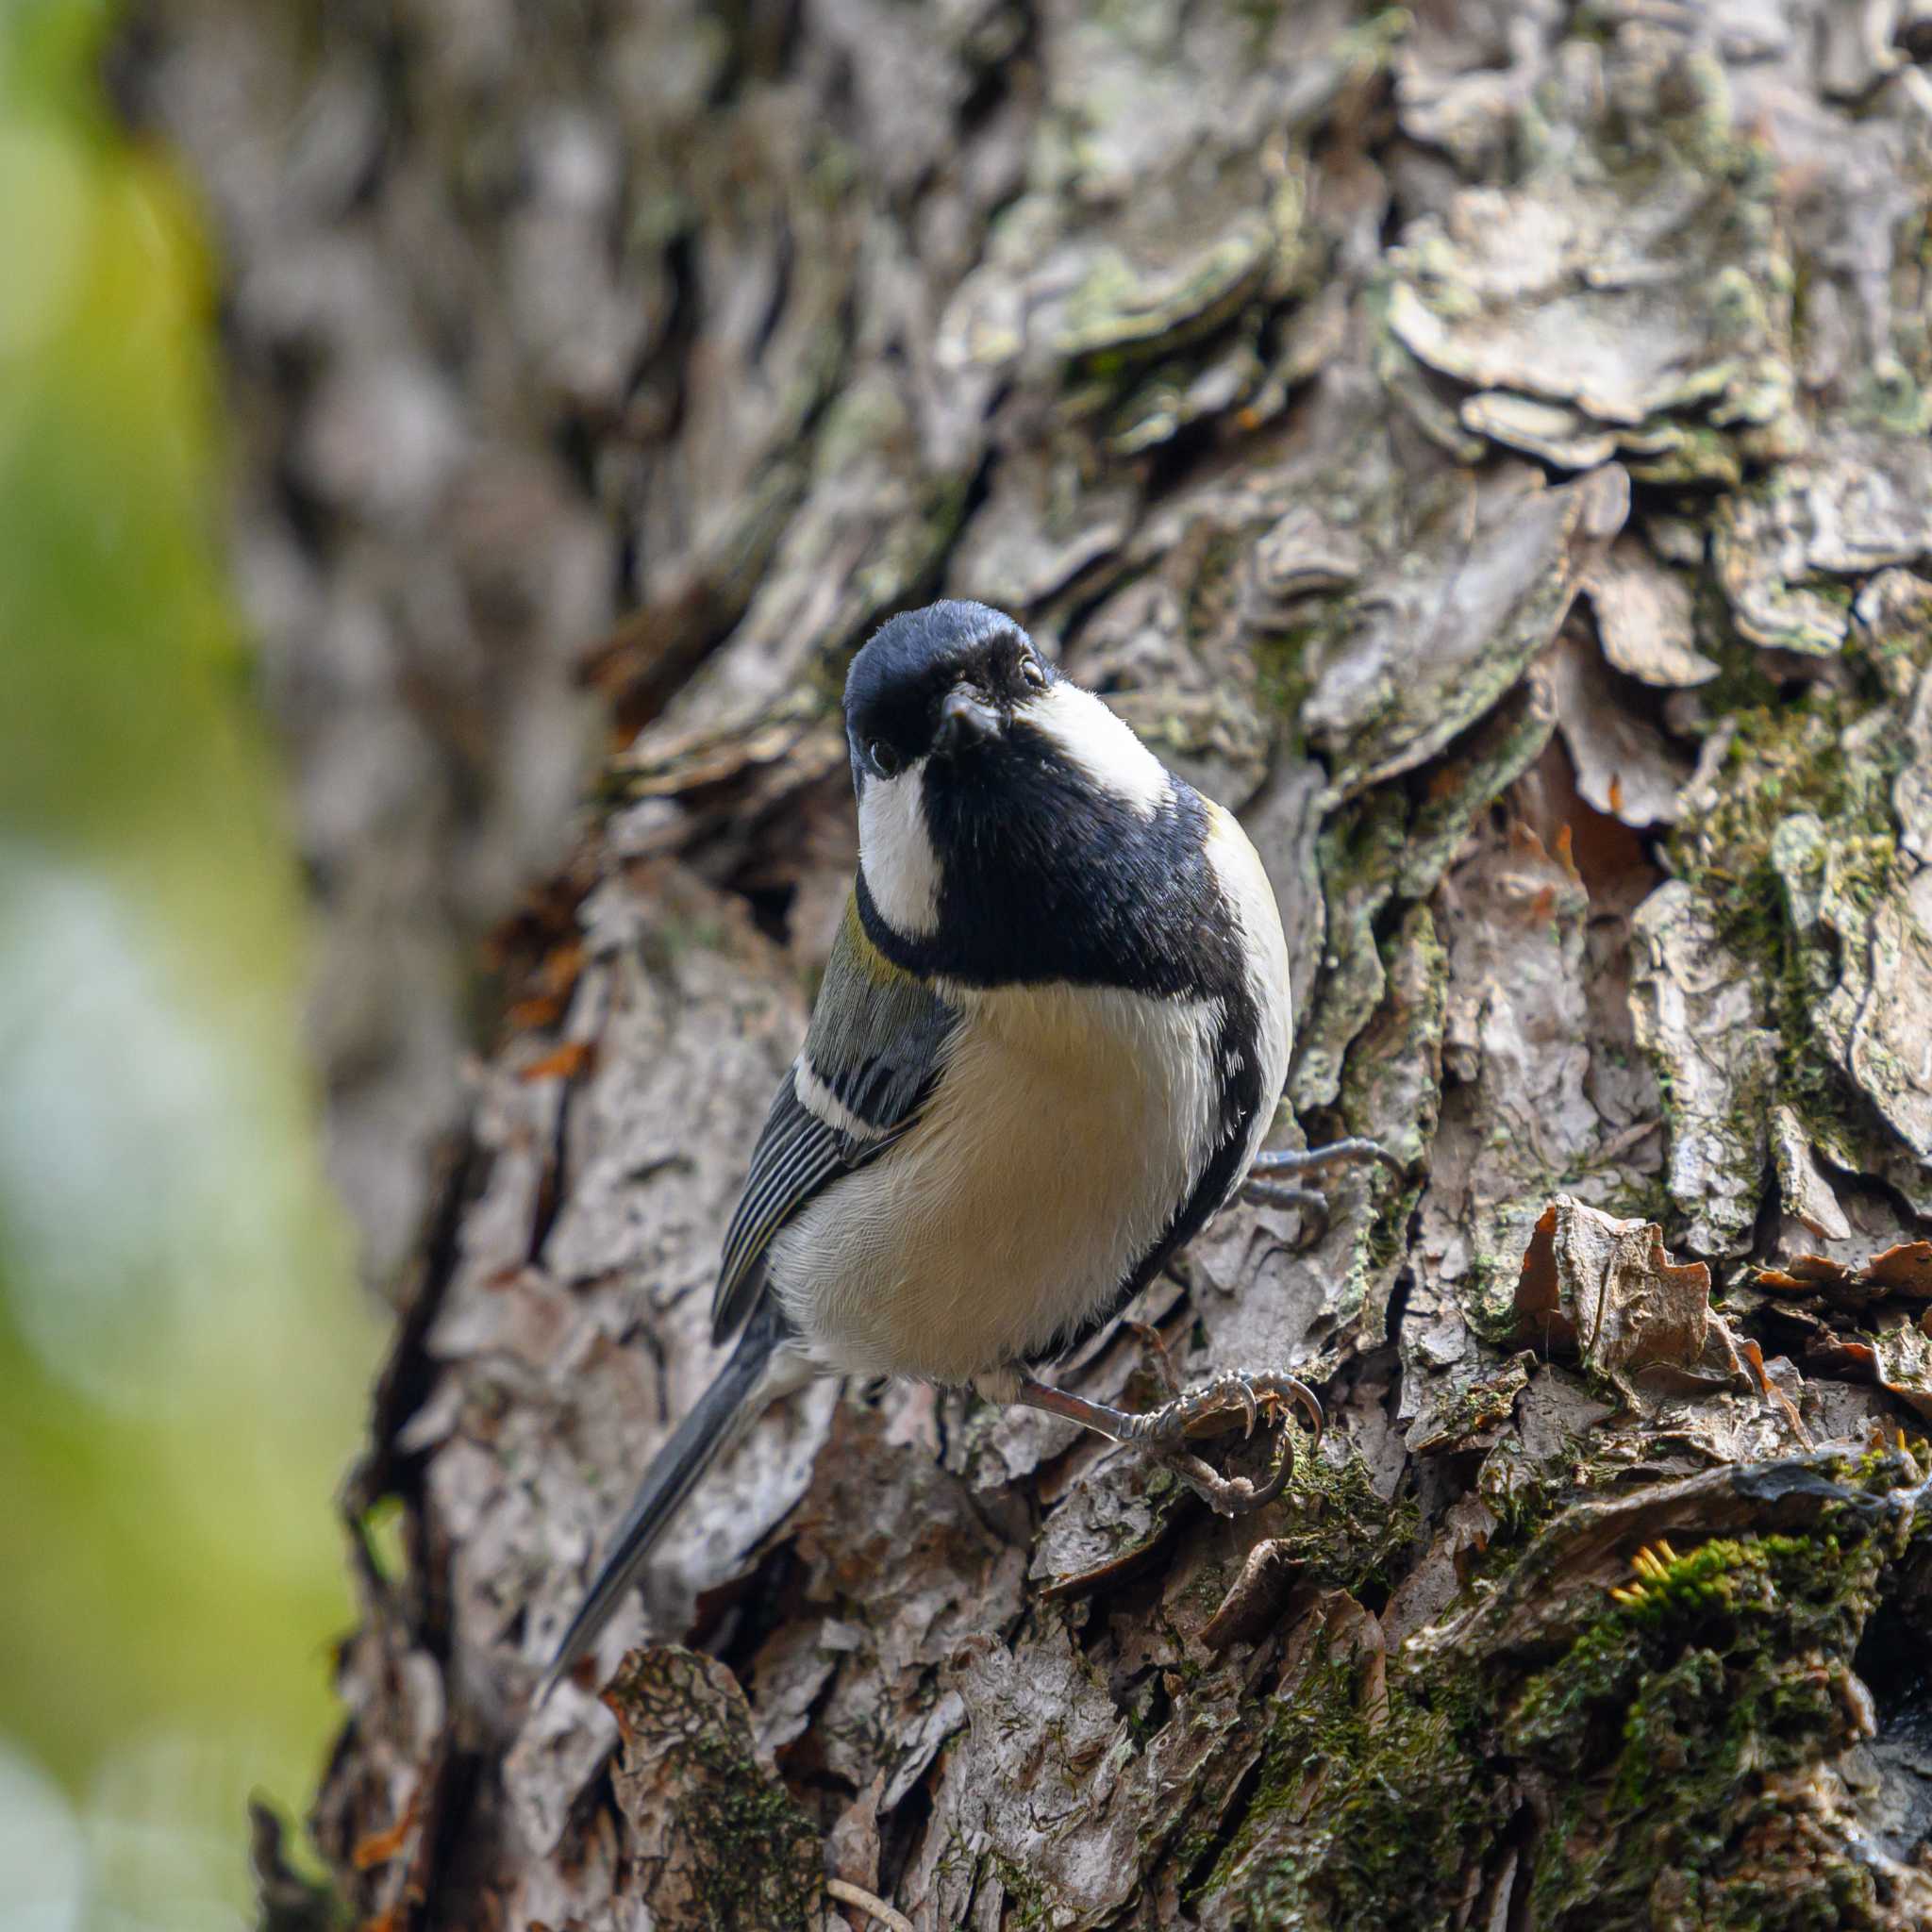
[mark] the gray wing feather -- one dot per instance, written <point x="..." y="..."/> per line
<point x="874" y="1040"/>
<point x="870" y="1058"/>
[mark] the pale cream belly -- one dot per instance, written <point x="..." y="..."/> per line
<point x="1070" y="1127"/>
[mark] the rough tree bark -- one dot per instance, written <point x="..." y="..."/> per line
<point x="1484" y="444"/>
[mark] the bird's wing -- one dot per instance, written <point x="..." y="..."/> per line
<point x="870" y="1058"/>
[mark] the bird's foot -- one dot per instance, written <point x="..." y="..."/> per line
<point x="1224" y="1404"/>
<point x="1262" y="1188"/>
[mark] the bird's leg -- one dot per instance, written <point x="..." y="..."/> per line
<point x="1261" y="1187"/>
<point x="1274" y="1161"/>
<point x="1165" y="1432"/>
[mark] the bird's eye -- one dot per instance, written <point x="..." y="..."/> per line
<point x="1034" y="672"/>
<point x="884" y="759"/>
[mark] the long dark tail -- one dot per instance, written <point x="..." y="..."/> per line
<point x="740" y="1392"/>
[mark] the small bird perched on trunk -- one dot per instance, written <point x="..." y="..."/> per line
<point x="1049" y="1043"/>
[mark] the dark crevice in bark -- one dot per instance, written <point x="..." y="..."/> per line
<point x="553" y="1189"/>
<point x="407" y="1374"/>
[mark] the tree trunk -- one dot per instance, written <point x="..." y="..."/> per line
<point x="1485" y="445"/>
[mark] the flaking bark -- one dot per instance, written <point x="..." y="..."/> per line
<point x="1485" y="445"/>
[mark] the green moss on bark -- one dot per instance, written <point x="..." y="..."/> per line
<point x="1673" y="1726"/>
<point x="1670" y="1765"/>
<point x="1788" y="762"/>
<point x="1367" y="1812"/>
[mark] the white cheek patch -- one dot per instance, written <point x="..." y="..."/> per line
<point x="1098" y="745"/>
<point x="902" y="870"/>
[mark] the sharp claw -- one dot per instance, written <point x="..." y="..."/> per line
<point x="1251" y="1409"/>
<point x="1164" y="1432"/>
<point x="1233" y="1495"/>
<point x="1279" y="1476"/>
<point x="1373" y="1150"/>
<point x="1297" y="1391"/>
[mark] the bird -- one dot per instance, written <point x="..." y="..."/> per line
<point x="1049" y="1041"/>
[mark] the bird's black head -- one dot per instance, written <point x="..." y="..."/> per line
<point x="1010" y="826"/>
<point x="941" y="681"/>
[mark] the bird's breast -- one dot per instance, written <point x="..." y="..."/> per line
<point x="1069" y="1125"/>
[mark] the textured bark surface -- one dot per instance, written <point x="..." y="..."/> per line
<point x="1483" y="444"/>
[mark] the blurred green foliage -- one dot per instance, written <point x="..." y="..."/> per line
<point x="183" y="1350"/>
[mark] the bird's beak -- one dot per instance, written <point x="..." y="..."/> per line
<point x="964" y="721"/>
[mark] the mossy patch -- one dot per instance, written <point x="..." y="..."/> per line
<point x="1347" y="1536"/>
<point x="725" y="1843"/>
<point x="1664" y="1720"/>
<point x="1283" y="671"/>
<point x="1650" y="1770"/>
<point x="1788" y="762"/>
<point x="1366" y="1812"/>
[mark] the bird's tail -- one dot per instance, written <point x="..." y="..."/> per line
<point x="754" y="1376"/>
